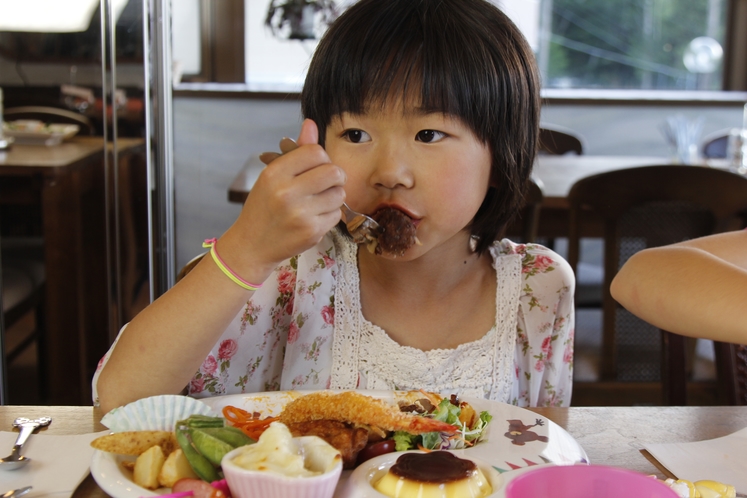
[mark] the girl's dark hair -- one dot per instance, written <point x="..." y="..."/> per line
<point x="464" y="57"/>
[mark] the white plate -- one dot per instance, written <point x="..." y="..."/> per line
<point x="51" y="134"/>
<point x="543" y="443"/>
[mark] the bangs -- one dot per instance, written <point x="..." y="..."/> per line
<point x="391" y="54"/>
<point x="462" y="58"/>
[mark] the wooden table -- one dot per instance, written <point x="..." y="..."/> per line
<point x="610" y="435"/>
<point x="67" y="183"/>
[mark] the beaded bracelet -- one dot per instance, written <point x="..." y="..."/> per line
<point x="211" y="243"/>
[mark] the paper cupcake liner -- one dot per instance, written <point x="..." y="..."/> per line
<point x="157" y="413"/>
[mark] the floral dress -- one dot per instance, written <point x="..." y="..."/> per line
<point x="304" y="329"/>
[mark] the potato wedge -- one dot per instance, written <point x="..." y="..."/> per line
<point x="136" y="442"/>
<point x="174" y="468"/>
<point x="147" y="467"/>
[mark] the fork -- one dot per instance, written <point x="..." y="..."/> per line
<point x="362" y="228"/>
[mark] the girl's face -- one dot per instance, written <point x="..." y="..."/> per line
<point x="431" y="166"/>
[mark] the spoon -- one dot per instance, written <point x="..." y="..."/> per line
<point x="26" y="427"/>
<point x="15" y="493"/>
<point x="361" y="227"/>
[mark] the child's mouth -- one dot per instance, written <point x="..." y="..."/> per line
<point x="397" y="232"/>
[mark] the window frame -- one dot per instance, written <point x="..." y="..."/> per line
<point x="222" y="23"/>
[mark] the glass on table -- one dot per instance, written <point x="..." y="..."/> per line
<point x="736" y="151"/>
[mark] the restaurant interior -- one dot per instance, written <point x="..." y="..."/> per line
<point x="171" y="117"/>
<point x="132" y="131"/>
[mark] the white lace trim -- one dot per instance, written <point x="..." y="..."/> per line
<point x="365" y="357"/>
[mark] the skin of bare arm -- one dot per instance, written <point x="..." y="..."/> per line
<point x="295" y="201"/>
<point x="696" y="288"/>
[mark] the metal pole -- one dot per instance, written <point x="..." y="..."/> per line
<point x="162" y="121"/>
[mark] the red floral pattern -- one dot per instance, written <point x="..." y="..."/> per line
<point x="282" y="338"/>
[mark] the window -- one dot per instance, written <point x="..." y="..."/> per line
<point x="633" y="44"/>
<point x="580" y="44"/>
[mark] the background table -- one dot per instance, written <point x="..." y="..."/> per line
<point x="610" y="435"/>
<point x="67" y="184"/>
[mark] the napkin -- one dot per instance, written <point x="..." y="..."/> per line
<point x="722" y="459"/>
<point x="58" y="465"/>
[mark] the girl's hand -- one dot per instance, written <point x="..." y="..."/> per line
<point x="295" y="201"/>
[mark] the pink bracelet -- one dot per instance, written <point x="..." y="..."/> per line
<point x="211" y="243"/>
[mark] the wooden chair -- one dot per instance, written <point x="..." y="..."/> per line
<point x="646" y="207"/>
<point x="731" y="371"/>
<point x="554" y="140"/>
<point x="23" y="287"/>
<point x="531" y="212"/>
<point x="50" y="115"/>
<point x="526" y="224"/>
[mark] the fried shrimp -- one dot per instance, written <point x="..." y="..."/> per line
<point x="357" y="409"/>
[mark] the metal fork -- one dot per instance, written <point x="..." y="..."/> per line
<point x="362" y="228"/>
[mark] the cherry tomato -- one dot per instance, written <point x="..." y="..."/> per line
<point x="200" y="488"/>
<point x="375" y="449"/>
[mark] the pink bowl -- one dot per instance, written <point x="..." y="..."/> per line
<point x="586" y="481"/>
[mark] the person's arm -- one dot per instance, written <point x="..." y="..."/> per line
<point x="696" y="288"/>
<point x="295" y="201"/>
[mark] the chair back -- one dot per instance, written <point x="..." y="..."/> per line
<point x="647" y="207"/>
<point x="50" y="115"/>
<point x="23" y="275"/>
<point x="554" y="140"/>
<point x="715" y="145"/>
<point x="526" y="224"/>
<point x="532" y="206"/>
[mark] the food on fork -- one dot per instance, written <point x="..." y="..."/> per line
<point x="438" y="474"/>
<point x="396" y="232"/>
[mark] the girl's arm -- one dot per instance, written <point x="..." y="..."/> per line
<point x="295" y="201"/>
<point x="696" y="288"/>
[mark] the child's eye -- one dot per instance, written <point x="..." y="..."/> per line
<point x="429" y="136"/>
<point x="356" y="136"/>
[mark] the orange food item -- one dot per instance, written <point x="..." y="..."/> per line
<point x="249" y="423"/>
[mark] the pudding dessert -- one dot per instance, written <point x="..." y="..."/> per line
<point x="397" y="232"/>
<point x="438" y="474"/>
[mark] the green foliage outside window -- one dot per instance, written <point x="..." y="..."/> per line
<point x="630" y="44"/>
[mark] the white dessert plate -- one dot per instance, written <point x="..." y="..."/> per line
<point x="516" y="439"/>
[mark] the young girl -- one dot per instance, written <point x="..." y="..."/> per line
<point x="430" y="107"/>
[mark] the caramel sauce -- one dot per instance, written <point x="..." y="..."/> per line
<point x="434" y="467"/>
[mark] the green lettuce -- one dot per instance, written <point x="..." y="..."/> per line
<point x="404" y="441"/>
<point x="449" y="413"/>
